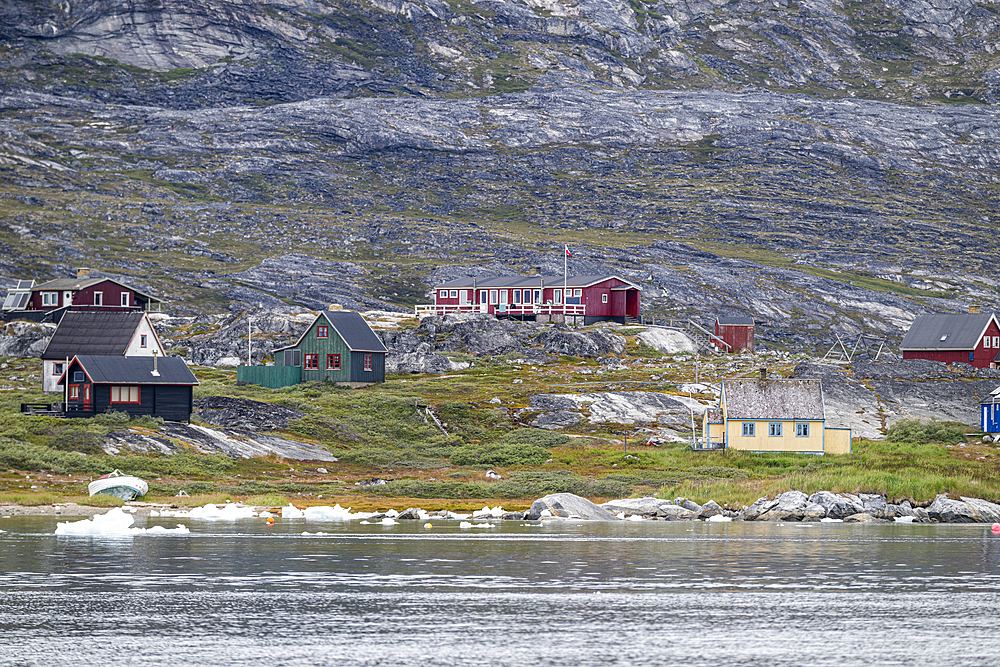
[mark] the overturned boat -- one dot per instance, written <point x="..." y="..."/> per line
<point x="120" y="485"/>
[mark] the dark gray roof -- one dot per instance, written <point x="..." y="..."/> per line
<point x="86" y="332"/>
<point x="737" y="321"/>
<point x="354" y="330"/>
<point x="76" y="284"/>
<point x="529" y="281"/>
<point x="136" y="370"/>
<point x="946" y="332"/>
<point x="751" y="398"/>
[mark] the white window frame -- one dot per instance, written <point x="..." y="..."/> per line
<point x="604" y="298"/>
<point x="482" y="296"/>
<point x="125" y="299"/>
<point x="774" y="430"/>
<point x="517" y="297"/>
<point x="538" y="296"/>
<point x="443" y="294"/>
<point x="996" y="341"/>
<point x="503" y="297"/>
<point x="50" y="299"/>
<point x="453" y="294"/>
<point x="98" y="298"/>
<point x="802" y="430"/>
<point x="749" y="429"/>
<point x="557" y="296"/>
<point x="577" y="292"/>
<point x="493" y="297"/>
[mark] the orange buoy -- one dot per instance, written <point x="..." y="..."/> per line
<point x="996" y="528"/>
<point x="270" y="521"/>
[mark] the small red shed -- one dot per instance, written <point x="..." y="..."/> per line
<point x="733" y="334"/>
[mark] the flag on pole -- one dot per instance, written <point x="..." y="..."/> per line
<point x="568" y="253"/>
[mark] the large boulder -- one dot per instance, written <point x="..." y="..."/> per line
<point x="668" y="341"/>
<point x="230" y="412"/>
<point x="788" y="506"/>
<point x="966" y="510"/>
<point x="598" y="343"/>
<point x="25" y="339"/>
<point x="647" y="508"/>
<point x="836" y="506"/>
<point x="567" y="506"/>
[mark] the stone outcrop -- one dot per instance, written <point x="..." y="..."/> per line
<point x="23" y="339"/>
<point x="559" y="340"/>
<point x="567" y="506"/>
<point x="230" y="412"/>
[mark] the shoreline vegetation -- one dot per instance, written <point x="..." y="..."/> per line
<point x="389" y="457"/>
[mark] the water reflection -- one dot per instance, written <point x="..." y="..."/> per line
<point x="636" y="593"/>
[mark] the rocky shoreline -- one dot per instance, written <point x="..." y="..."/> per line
<point x="791" y="506"/>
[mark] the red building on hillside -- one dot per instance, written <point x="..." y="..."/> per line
<point x="587" y="299"/>
<point x="735" y="334"/>
<point x="972" y="338"/>
<point x="49" y="300"/>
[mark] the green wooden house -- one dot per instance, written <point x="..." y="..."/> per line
<point x="338" y="346"/>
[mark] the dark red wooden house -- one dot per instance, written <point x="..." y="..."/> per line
<point x="49" y="300"/>
<point x="734" y="334"/>
<point x="972" y="338"/>
<point x="542" y="298"/>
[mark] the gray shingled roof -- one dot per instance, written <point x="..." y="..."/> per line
<point x="751" y="398"/>
<point x="92" y="332"/>
<point x="136" y="370"/>
<point x="354" y="330"/>
<point x="946" y="332"/>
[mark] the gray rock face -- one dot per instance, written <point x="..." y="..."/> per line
<point x="227" y="345"/>
<point x="648" y="507"/>
<point x="836" y="506"/>
<point x="945" y="510"/>
<point x="561" y="341"/>
<point x="24" y="339"/>
<point x="566" y="506"/>
<point x="229" y="412"/>
<point x="235" y="443"/>
<point x="623" y="407"/>
<point x="788" y="506"/>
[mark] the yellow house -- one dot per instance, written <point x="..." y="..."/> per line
<point x="774" y="415"/>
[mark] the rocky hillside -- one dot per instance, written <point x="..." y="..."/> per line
<point x="827" y="167"/>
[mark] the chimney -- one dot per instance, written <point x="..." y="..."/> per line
<point x="82" y="273"/>
<point x="156" y="369"/>
<point x="973" y="310"/>
<point x="336" y="306"/>
<point x="535" y="271"/>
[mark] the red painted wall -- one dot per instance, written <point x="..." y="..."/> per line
<point x="982" y="356"/>
<point x="111" y="295"/>
<point x="737" y="336"/>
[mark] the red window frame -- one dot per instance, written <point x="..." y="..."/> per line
<point x="333" y="362"/>
<point x="142" y="340"/>
<point x="74" y="392"/>
<point x="322" y="331"/>
<point x="138" y="394"/>
<point x="311" y="362"/>
<point x="367" y="362"/>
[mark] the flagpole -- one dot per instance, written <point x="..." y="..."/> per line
<point x="565" y="279"/>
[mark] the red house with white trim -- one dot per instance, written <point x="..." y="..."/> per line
<point x="972" y="338"/>
<point x="542" y="298"/>
<point x="50" y="299"/>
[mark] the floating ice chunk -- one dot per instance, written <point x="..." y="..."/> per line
<point x="389" y="521"/>
<point x="827" y="519"/>
<point x="635" y="517"/>
<point x="719" y="518"/>
<point x="466" y="524"/>
<point x="290" y="511"/>
<point x="335" y="513"/>
<point x="495" y="512"/>
<point x="306" y="532"/>
<point x="366" y="523"/>
<point x="462" y="517"/>
<point x="904" y="519"/>
<point x="115" y="523"/>
<point x="228" y="512"/>
<point x="265" y="515"/>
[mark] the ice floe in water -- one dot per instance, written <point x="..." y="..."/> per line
<point x="335" y="513"/>
<point x="466" y="524"/>
<point x="719" y="518"/>
<point x="115" y="523"/>
<point x="290" y="511"/>
<point x="210" y="512"/>
<point x="486" y="512"/>
<point x="904" y="519"/>
<point x="827" y="519"/>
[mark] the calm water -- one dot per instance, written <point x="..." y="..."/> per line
<point x="660" y="594"/>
